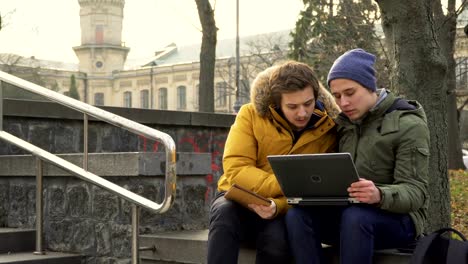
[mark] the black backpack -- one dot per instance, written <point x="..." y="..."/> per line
<point x="439" y="248"/>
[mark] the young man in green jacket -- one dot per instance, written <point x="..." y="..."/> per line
<point x="388" y="139"/>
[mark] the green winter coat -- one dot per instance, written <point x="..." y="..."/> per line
<point x="392" y="150"/>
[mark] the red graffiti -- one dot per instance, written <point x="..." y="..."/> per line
<point x="200" y="142"/>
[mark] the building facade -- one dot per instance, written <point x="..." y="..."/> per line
<point x="167" y="79"/>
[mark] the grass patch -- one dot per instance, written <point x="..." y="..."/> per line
<point x="459" y="200"/>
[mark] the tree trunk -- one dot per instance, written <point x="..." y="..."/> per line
<point x="207" y="56"/>
<point x="447" y="26"/>
<point x="455" y="156"/>
<point x="419" y="73"/>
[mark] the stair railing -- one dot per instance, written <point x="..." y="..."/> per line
<point x="41" y="155"/>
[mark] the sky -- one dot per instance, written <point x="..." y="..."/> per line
<point x="48" y="29"/>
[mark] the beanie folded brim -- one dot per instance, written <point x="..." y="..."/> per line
<point x="368" y="84"/>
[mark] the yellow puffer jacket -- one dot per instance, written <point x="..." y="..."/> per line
<point x="253" y="136"/>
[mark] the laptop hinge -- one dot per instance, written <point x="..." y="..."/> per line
<point x="294" y="200"/>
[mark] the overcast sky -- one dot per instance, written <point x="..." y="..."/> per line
<point x="48" y="29"/>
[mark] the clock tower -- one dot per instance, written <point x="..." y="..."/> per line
<point x="101" y="51"/>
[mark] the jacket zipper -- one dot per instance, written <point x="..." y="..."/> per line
<point x="358" y="132"/>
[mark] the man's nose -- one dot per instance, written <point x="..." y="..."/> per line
<point x="302" y="111"/>
<point x="344" y="101"/>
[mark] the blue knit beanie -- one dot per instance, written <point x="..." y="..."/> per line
<point x="356" y="65"/>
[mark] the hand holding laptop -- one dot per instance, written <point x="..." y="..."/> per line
<point x="365" y="191"/>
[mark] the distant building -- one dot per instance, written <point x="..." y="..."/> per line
<point x="168" y="79"/>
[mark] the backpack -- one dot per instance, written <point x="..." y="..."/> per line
<point x="440" y="249"/>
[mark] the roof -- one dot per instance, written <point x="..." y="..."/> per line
<point x="16" y="60"/>
<point x="172" y="54"/>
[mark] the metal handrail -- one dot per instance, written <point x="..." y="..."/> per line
<point x="137" y="128"/>
<point x="80" y="172"/>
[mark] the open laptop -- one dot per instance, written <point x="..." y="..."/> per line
<point x="315" y="179"/>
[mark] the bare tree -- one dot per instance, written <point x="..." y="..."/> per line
<point x="419" y="69"/>
<point x="260" y="52"/>
<point x="267" y="50"/>
<point x="19" y="66"/>
<point x="207" y="56"/>
<point x="4" y="17"/>
<point x="8" y="61"/>
<point x="446" y="25"/>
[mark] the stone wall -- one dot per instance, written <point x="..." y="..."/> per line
<point x="58" y="129"/>
<point x="80" y="217"/>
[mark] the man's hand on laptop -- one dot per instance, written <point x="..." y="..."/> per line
<point x="364" y="191"/>
<point x="265" y="212"/>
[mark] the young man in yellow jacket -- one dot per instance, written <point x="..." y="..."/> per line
<point x="287" y="115"/>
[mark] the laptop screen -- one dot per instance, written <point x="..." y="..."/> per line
<point x="314" y="175"/>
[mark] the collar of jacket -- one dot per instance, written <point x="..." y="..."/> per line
<point x="318" y="117"/>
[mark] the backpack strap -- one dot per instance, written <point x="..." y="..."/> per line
<point x="448" y="229"/>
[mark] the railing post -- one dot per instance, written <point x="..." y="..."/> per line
<point x="39" y="200"/>
<point x="85" y="142"/>
<point x="1" y="106"/>
<point x="135" y="232"/>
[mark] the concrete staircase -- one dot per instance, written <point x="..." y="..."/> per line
<point x="17" y="246"/>
<point x="190" y="247"/>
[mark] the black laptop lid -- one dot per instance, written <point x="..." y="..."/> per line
<point x="314" y="175"/>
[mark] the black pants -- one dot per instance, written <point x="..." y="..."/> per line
<point x="232" y="225"/>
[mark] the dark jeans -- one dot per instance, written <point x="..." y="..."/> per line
<point x="356" y="229"/>
<point x="232" y="225"/>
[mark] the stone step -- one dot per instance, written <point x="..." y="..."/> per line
<point x="17" y="240"/>
<point x="47" y="258"/>
<point x="17" y="246"/>
<point x="182" y="247"/>
<point x="190" y="247"/>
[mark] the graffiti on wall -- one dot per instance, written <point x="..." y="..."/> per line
<point x="198" y="141"/>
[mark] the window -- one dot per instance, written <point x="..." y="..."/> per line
<point x="244" y="92"/>
<point x="221" y="94"/>
<point x="98" y="99"/>
<point x="127" y="96"/>
<point x="461" y="72"/>
<point x="163" y="98"/>
<point x="99" y="34"/>
<point x="144" y="99"/>
<point x="181" y="98"/>
<point x="196" y="102"/>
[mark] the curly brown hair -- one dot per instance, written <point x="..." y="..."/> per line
<point x="290" y="77"/>
<point x="287" y="77"/>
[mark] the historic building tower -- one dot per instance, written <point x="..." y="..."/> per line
<point x="102" y="50"/>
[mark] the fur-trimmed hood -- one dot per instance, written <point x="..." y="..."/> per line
<point x="261" y="98"/>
